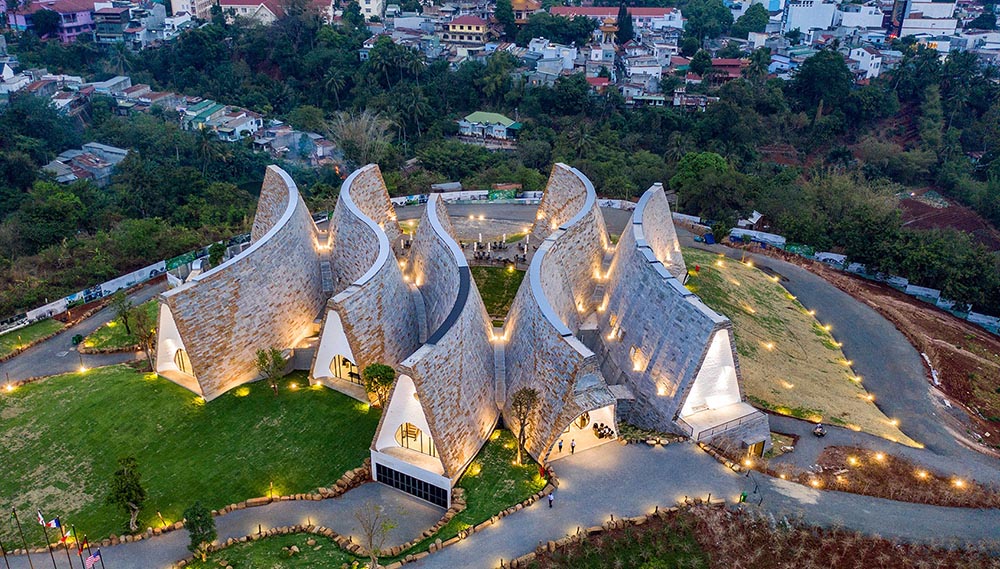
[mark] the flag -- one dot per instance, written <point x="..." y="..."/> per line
<point x="92" y="559"/>
<point x="54" y="523"/>
<point x="41" y="518"/>
<point x="67" y="535"/>
<point x="81" y="545"/>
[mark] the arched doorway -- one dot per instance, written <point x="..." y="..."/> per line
<point x="183" y="362"/>
<point x="587" y="430"/>
<point x="343" y="368"/>
<point x="410" y="436"/>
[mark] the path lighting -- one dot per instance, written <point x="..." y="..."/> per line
<point x="293" y="386"/>
<point x="879" y="456"/>
<point x="270" y="490"/>
<point x="720" y="264"/>
<point x="811" y="312"/>
<point x="747" y="462"/>
<point x="162" y="521"/>
<point x="922" y="474"/>
<point x="959" y="483"/>
<point x="870" y="397"/>
<point x="769" y="346"/>
<point x="852" y="461"/>
<point x="827" y="327"/>
<point x="815" y="483"/>
<point x="894" y="422"/>
<point x="9" y="387"/>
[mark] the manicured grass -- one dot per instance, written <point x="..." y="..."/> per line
<point x="11" y="341"/>
<point x="497" y="286"/>
<point x="113" y="335"/>
<point x="268" y="553"/>
<point x="63" y="436"/>
<point x="492" y="483"/>
<point x="791" y="364"/>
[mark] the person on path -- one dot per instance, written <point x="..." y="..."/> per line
<point x="572" y="446"/>
<point x="560" y="445"/>
<point x="551" y="498"/>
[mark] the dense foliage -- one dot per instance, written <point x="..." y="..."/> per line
<point x="844" y="152"/>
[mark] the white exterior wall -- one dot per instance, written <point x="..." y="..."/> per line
<point x="932" y="9"/>
<point x="716" y="385"/>
<point x="868" y="17"/>
<point x="938" y="27"/>
<point x="332" y="343"/>
<point x="404" y="407"/>
<point x="370" y="8"/>
<point x="810" y="14"/>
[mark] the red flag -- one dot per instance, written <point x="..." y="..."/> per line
<point x="81" y="546"/>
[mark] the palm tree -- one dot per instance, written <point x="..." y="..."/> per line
<point x="417" y="105"/>
<point x="209" y="149"/>
<point x="760" y="61"/>
<point x="119" y="58"/>
<point x="334" y="81"/>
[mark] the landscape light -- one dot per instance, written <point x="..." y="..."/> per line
<point x="921" y="474"/>
<point x="879" y="456"/>
<point x="815" y="483"/>
<point x="83" y="369"/>
<point x="811" y="312"/>
<point x="769" y="346"/>
<point x="852" y="461"/>
<point x="959" y="483"/>
<point x="894" y="422"/>
<point x="10" y="387"/>
<point x="827" y="327"/>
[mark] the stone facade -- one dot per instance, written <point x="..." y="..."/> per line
<point x="542" y="350"/>
<point x="267" y="296"/>
<point x="453" y="372"/>
<point x="375" y="306"/>
<point x="655" y="335"/>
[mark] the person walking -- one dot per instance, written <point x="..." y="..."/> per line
<point x="560" y="445"/>
<point x="551" y="498"/>
<point x="572" y="446"/>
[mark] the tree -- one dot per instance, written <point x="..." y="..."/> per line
<point x="690" y="45"/>
<point x="984" y="21"/>
<point x="626" y="28"/>
<point x="707" y="185"/>
<point x="200" y="525"/>
<point x="504" y="13"/>
<point x="823" y="77"/>
<point x="376" y="525"/>
<point x="45" y="22"/>
<point x="700" y="63"/>
<point x="755" y="19"/>
<point x="145" y="333"/>
<point x="707" y="18"/>
<point x="122" y="305"/>
<point x="794" y="36"/>
<point x="760" y="63"/>
<point x="378" y="380"/>
<point x="522" y="405"/>
<point x="216" y="253"/>
<point x="308" y="118"/>
<point x="270" y="363"/>
<point x="126" y="489"/>
<point x="364" y="136"/>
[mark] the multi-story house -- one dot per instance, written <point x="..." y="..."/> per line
<point x="465" y="30"/>
<point x="75" y="17"/>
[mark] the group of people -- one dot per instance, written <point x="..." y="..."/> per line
<point x="603" y="431"/>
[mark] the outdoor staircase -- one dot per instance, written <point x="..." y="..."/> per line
<point x="500" y="367"/>
<point x="421" y="311"/>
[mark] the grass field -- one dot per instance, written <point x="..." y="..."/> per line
<point x="497" y="286"/>
<point x="12" y="340"/>
<point x="267" y="553"/>
<point x="113" y="335"/>
<point x="63" y="436"/>
<point x="791" y="364"/>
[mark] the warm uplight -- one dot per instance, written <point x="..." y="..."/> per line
<point x="553" y="225"/>
<point x="786" y="384"/>
<point x="959" y="483"/>
<point x="83" y="369"/>
<point x="848" y="362"/>
<point x="661" y="391"/>
<point x="856" y="379"/>
<point x="293" y="386"/>
<point x="472" y="217"/>
<point x="782" y="476"/>
<point x="9" y="387"/>
<point x="894" y="422"/>
<point x="922" y="474"/>
<point x="720" y="264"/>
<point x="199" y="400"/>
<point x="827" y="327"/>
<point x="815" y="483"/>
<point x="749" y="264"/>
<point x="539" y="215"/>
<point x="879" y="456"/>
<point x="475" y="468"/>
<point x="747" y="462"/>
<point x="870" y="397"/>
<point x="749" y="309"/>
<point x="852" y="461"/>
<point x="482" y="217"/>
<point x="111" y="324"/>
<point x="510" y="268"/>
<point x="812" y="313"/>
<point x="769" y="346"/>
<point x="241" y="391"/>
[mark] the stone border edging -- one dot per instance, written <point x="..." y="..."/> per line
<point x="117" y="350"/>
<point x="458" y="505"/>
<point x="351" y="479"/>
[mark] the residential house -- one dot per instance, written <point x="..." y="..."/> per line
<point x="727" y="69"/>
<point x="11" y="82"/>
<point x="110" y="23"/>
<point x="73" y="165"/>
<point x="174" y="25"/>
<point x="642" y="18"/>
<point x="197" y="116"/>
<point x="866" y="16"/>
<point x="264" y="12"/>
<point x="869" y="61"/>
<point x="115" y="86"/>
<point x="237" y="124"/>
<point x="805" y="15"/>
<point x="466" y="30"/>
<point x="691" y="102"/>
<point x="75" y="17"/>
<point x="523" y="9"/>
<point x="111" y="154"/>
<point x="201" y="9"/>
<point x="488" y="125"/>
<point x="925" y="17"/>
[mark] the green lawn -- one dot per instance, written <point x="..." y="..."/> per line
<point x="62" y="437"/>
<point x="497" y="286"/>
<point x="10" y="341"/>
<point x="113" y="335"/>
<point x="267" y="553"/>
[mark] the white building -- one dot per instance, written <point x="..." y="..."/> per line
<point x="855" y="16"/>
<point x="932" y="18"/>
<point x="549" y="50"/>
<point x="869" y="60"/>
<point x="372" y="8"/>
<point x="805" y="15"/>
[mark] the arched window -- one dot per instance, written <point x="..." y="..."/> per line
<point x="345" y="369"/>
<point x="410" y="436"/>
<point x="183" y="362"/>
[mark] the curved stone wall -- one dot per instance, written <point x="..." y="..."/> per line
<point x="655" y="332"/>
<point x="542" y="350"/>
<point x="375" y="306"/>
<point x="267" y="296"/>
<point x="454" y="371"/>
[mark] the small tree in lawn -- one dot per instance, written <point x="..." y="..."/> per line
<point x="378" y="379"/>
<point x="201" y="527"/>
<point x="376" y="524"/>
<point x="145" y="333"/>
<point x="126" y="489"/>
<point x="122" y="305"/>
<point x="270" y="363"/>
<point x="522" y="404"/>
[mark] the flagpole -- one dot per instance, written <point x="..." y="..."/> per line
<point x="66" y="545"/>
<point x="45" y="532"/>
<point x="4" y="552"/>
<point x="79" y="546"/>
<point x="89" y="552"/>
<point x="13" y="514"/>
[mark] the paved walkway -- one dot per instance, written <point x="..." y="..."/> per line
<point x="58" y="354"/>
<point x="412" y="515"/>
<point x="631" y="480"/>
